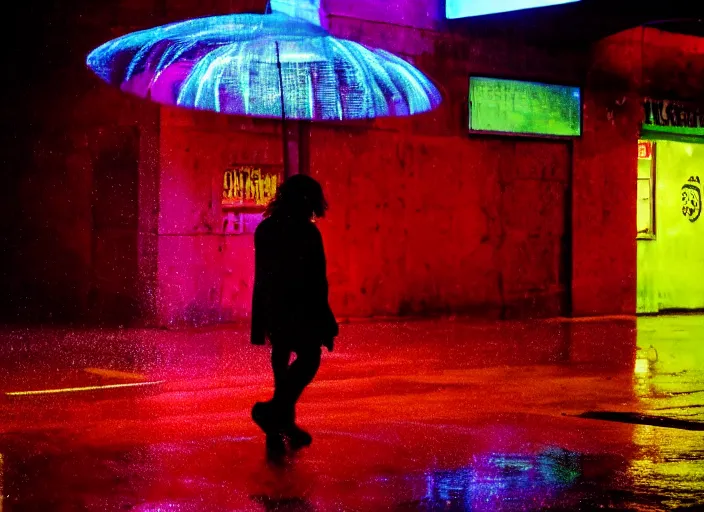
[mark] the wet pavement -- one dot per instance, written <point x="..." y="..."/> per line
<point x="422" y="415"/>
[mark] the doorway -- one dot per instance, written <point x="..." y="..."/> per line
<point x="115" y="208"/>
<point x="670" y="226"/>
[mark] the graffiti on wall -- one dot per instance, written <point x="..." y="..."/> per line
<point x="250" y="186"/>
<point x="692" y="199"/>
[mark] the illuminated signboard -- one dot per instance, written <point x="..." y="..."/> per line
<point x="645" y="150"/>
<point x="250" y="186"/>
<point x="524" y="108"/>
<point x="673" y="117"/>
<point x="469" y="8"/>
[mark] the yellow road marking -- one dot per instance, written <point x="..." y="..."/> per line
<point x="86" y="388"/>
<point x="114" y="374"/>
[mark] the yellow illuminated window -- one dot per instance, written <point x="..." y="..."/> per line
<point x="646" y="190"/>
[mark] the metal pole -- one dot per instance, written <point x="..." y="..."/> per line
<point x="284" y="135"/>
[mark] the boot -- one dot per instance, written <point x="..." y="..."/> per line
<point x="275" y="446"/>
<point x="264" y="417"/>
<point x="297" y="437"/>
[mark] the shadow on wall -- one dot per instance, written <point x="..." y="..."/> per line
<point x="74" y="259"/>
<point x="41" y="301"/>
<point x="41" y="289"/>
<point x="112" y="308"/>
<point x="61" y="293"/>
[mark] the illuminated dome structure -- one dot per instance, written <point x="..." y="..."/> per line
<point x="229" y="64"/>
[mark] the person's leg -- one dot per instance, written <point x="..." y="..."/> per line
<point x="266" y="414"/>
<point x="291" y="380"/>
<point x="280" y="359"/>
<point x="289" y="383"/>
<point x="302" y="372"/>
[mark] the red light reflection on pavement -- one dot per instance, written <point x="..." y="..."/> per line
<point x="406" y="416"/>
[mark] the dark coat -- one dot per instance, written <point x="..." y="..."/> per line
<point x="290" y="301"/>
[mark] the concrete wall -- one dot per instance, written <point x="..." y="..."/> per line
<point x="433" y="224"/>
<point x="71" y="245"/>
<point x="429" y="14"/>
<point x="427" y="219"/>
<point x="63" y="124"/>
<point x="204" y="276"/>
<point x="424" y="219"/>
<point x="486" y="238"/>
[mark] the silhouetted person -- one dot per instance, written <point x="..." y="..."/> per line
<point x="290" y="304"/>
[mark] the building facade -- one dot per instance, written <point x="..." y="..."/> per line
<point x="426" y="217"/>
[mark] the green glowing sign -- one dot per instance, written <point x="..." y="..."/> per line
<point x="673" y="117"/>
<point x="525" y="108"/>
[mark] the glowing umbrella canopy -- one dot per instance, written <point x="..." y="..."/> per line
<point x="229" y="64"/>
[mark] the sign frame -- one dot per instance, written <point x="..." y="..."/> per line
<point x="474" y="132"/>
<point x="554" y="3"/>
<point x="664" y="118"/>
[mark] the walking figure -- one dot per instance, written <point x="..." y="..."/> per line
<point x="290" y="305"/>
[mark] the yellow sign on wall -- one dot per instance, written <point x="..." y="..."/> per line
<point x="250" y="186"/>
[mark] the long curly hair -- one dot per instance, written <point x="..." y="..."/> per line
<point x="300" y="196"/>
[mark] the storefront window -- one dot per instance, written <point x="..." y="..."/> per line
<point x="646" y="190"/>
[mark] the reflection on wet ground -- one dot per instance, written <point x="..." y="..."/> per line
<point x="416" y="416"/>
<point x="669" y="367"/>
<point x="228" y="474"/>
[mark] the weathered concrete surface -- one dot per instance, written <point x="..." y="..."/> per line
<point x="407" y="416"/>
<point x="423" y="219"/>
<point x="75" y="145"/>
